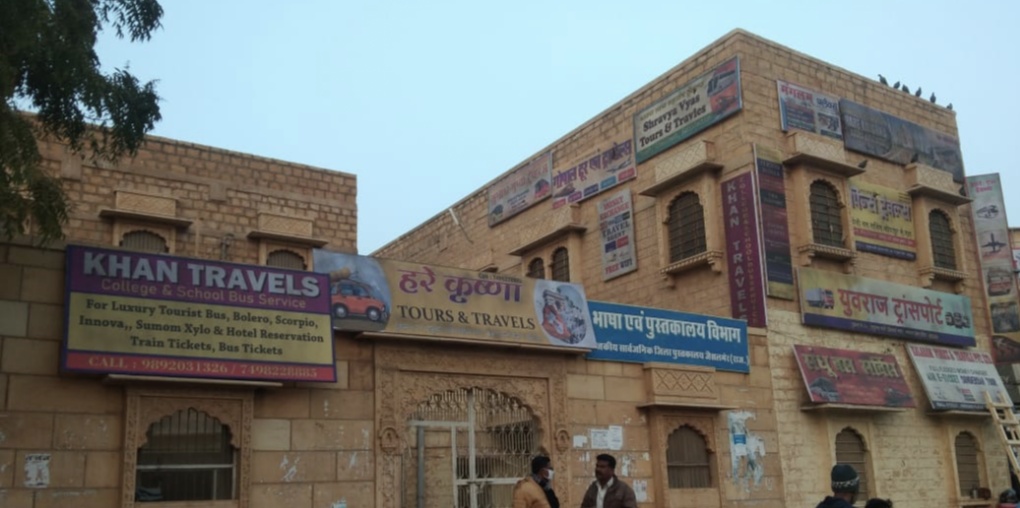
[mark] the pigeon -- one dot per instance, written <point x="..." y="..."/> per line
<point x="881" y="79"/>
<point x="905" y="88"/>
<point x="932" y="98"/>
<point x="918" y="92"/>
<point x="896" y="85"/>
<point x="863" y="164"/>
<point x="950" y="106"/>
<point x="915" y="157"/>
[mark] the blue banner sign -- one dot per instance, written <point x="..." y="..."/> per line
<point x="640" y="334"/>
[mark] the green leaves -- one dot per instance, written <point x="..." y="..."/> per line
<point x="48" y="62"/>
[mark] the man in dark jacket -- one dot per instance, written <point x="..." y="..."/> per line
<point x="845" y="484"/>
<point x="608" y="491"/>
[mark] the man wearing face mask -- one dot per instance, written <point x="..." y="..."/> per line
<point x="535" y="490"/>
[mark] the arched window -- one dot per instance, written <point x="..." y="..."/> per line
<point x="560" y="265"/>
<point x="686" y="227"/>
<point x="536" y="269"/>
<point x="144" y="241"/>
<point x="941" y="232"/>
<point x="187" y="456"/>
<point x="285" y="259"/>
<point x="826" y="217"/>
<point x="968" y="474"/>
<point x="687" y="460"/>
<point x="850" y="450"/>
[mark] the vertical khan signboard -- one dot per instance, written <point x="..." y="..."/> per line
<point x="520" y="189"/>
<point x="692" y="108"/>
<point x="774" y="224"/>
<point x="148" y="314"/>
<point x="616" y="227"/>
<point x="995" y="254"/>
<point x="743" y="250"/>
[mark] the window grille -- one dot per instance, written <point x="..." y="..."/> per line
<point x="826" y="215"/>
<point x="536" y="269"/>
<point x="285" y="259"/>
<point x="941" y="233"/>
<point x="144" y="241"/>
<point x="967" y="463"/>
<point x="560" y="265"/>
<point x="187" y="457"/>
<point x="850" y="450"/>
<point x="686" y="227"/>
<point x="687" y="460"/>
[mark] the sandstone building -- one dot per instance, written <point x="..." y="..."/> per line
<point x="176" y="351"/>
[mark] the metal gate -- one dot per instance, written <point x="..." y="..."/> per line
<point x="467" y="449"/>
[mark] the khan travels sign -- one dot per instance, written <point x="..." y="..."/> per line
<point x="744" y="254"/>
<point x="369" y="294"/>
<point x="148" y="314"/>
<point x="843" y="376"/>
<point x="688" y="110"/>
<point x="639" y="334"/>
<point x="863" y="305"/>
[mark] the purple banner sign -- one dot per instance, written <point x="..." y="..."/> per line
<point x="743" y="250"/>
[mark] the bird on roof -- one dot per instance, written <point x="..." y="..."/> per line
<point x="950" y="106"/>
<point x="915" y="157"/>
<point x="932" y="98"/>
<point x="905" y="88"/>
<point x="881" y="79"/>
<point x="918" y="92"/>
<point x="896" y="85"/>
<point x="863" y="164"/>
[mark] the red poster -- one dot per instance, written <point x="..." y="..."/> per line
<point x="842" y="376"/>
<point x="743" y="250"/>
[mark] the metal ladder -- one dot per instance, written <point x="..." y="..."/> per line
<point x="1008" y="425"/>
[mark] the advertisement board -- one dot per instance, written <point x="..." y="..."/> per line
<point x="863" y="305"/>
<point x="883" y="221"/>
<point x="429" y="301"/>
<point x="956" y="379"/>
<point x="158" y="315"/>
<point x="520" y="189"/>
<point x="595" y="174"/>
<point x="743" y="254"/>
<point x="616" y="229"/>
<point x="804" y="109"/>
<point x="857" y="378"/>
<point x="640" y="334"/>
<point x="775" y="229"/>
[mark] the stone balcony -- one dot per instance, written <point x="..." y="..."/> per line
<point x="925" y="180"/>
<point x="819" y="152"/>
<point x="669" y="385"/>
<point x="693" y="160"/>
<point x="146" y="207"/>
<point x="548" y="226"/>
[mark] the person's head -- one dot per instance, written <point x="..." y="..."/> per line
<point x="542" y="466"/>
<point x="878" y="503"/>
<point x="1008" y="496"/>
<point x="605" y="467"/>
<point x="845" y="482"/>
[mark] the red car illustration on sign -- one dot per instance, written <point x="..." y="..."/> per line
<point x="352" y="298"/>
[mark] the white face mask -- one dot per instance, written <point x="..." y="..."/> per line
<point x="550" y="477"/>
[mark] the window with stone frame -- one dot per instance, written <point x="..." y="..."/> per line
<point x="851" y="450"/>
<point x="144" y="241"/>
<point x="560" y="265"/>
<point x="187" y="456"/>
<point x="686" y="227"/>
<point x="688" y="460"/>
<point x="826" y="215"/>
<point x="283" y="258"/>
<point x="940" y="230"/>
<point x="536" y="269"/>
<point x="967" y="463"/>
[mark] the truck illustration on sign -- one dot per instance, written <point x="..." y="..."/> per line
<point x="820" y="298"/>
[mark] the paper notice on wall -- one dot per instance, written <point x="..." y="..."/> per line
<point x="615" y="437"/>
<point x="37" y="470"/>
<point x="641" y="490"/>
<point x="580" y="441"/>
<point x="600" y="439"/>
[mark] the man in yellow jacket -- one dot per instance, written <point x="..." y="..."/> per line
<point x="535" y="490"/>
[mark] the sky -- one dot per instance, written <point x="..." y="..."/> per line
<point x="426" y="102"/>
